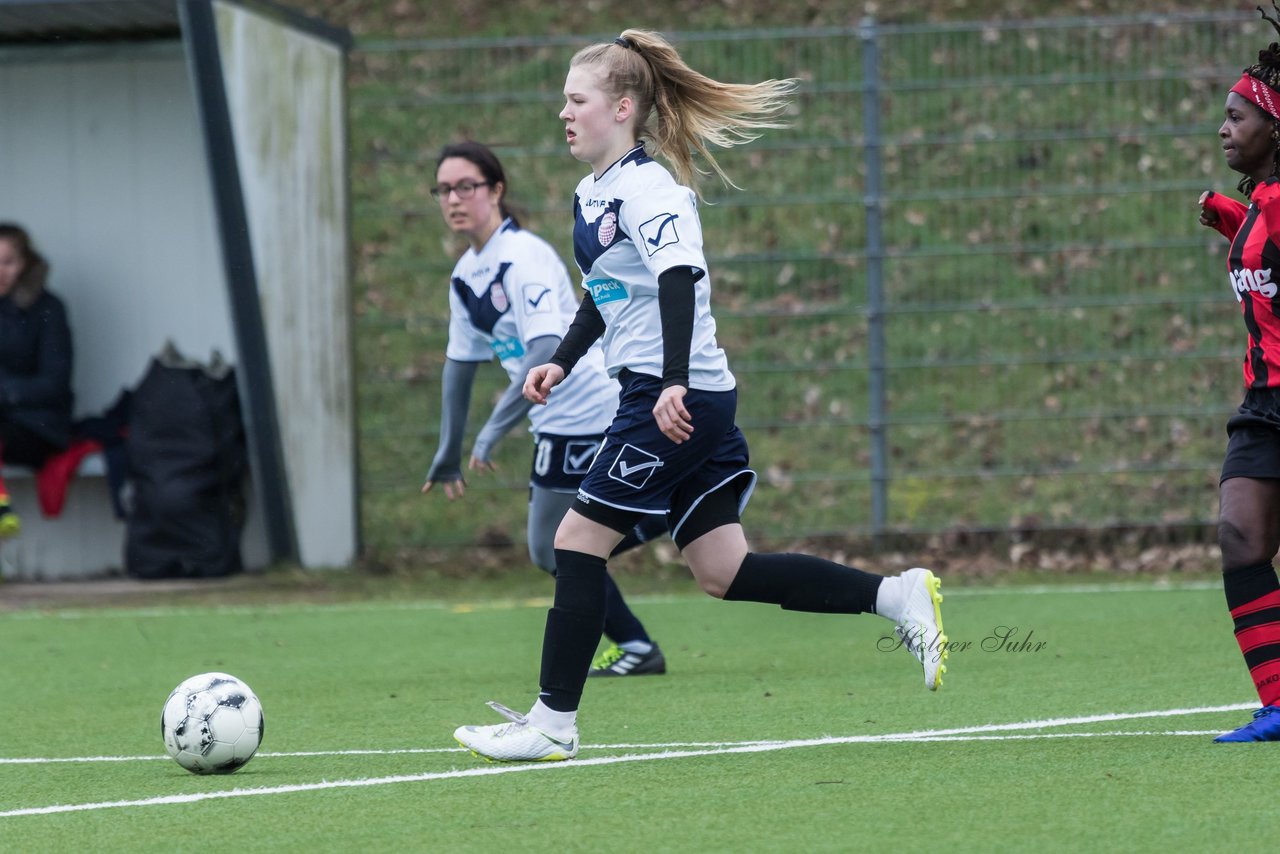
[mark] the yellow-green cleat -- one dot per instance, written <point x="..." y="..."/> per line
<point x="616" y="661"/>
<point x="920" y="628"/>
<point x="10" y="525"/>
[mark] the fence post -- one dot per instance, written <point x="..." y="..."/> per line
<point x="873" y="203"/>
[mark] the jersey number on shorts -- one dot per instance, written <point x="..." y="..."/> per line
<point x="542" y="457"/>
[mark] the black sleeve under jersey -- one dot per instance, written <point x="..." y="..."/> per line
<point x="675" y="306"/>
<point x="586" y="329"/>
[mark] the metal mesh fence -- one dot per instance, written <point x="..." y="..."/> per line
<point x="965" y="290"/>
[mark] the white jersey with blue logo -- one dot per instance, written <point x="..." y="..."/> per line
<point x="631" y="224"/>
<point x="514" y="290"/>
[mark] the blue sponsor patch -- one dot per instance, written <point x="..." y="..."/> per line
<point x="606" y="290"/>
<point x="507" y="348"/>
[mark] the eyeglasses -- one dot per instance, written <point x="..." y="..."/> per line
<point x="464" y="189"/>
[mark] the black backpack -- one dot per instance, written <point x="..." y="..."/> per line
<point x="187" y="463"/>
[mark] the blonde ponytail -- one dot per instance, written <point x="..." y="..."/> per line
<point x="689" y="110"/>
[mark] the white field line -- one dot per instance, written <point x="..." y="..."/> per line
<point x="675" y="745"/>
<point x="905" y="736"/>
<point x="974" y="733"/>
<point x="51" y="760"/>
<point x="36" y="613"/>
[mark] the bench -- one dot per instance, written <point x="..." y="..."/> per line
<point x="94" y="465"/>
<point x="85" y="540"/>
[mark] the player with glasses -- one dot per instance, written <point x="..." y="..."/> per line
<point x="510" y="297"/>
<point x="463" y="189"/>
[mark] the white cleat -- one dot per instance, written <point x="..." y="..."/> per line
<point x="920" y="628"/>
<point x="517" y="741"/>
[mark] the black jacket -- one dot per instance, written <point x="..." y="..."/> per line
<point x="35" y="359"/>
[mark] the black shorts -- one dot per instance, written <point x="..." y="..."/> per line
<point x="1253" y="437"/>
<point x="640" y="471"/>
<point x="561" y="462"/>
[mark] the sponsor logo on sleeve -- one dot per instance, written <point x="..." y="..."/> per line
<point x="634" y="467"/>
<point x="659" y="232"/>
<point x="537" y="299"/>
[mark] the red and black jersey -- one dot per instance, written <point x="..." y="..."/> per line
<point x="1253" y="265"/>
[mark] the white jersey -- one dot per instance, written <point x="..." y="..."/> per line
<point x="516" y="289"/>
<point x="631" y="224"/>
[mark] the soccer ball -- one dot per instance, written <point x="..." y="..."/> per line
<point x="212" y="724"/>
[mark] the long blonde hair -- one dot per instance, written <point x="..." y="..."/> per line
<point x="689" y="110"/>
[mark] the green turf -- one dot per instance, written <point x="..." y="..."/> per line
<point x="398" y="676"/>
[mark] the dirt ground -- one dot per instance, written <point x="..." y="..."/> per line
<point x="482" y="574"/>
<point x="17" y="595"/>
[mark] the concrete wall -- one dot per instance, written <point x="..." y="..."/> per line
<point x="285" y="93"/>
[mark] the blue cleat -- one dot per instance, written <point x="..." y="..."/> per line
<point x="1265" y="726"/>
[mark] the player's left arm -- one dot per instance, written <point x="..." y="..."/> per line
<point x="1267" y="197"/>
<point x="664" y="224"/>
<point x="676" y="301"/>
<point x="512" y="407"/>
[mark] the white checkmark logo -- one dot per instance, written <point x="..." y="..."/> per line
<point x="627" y="470"/>
<point x="577" y="461"/>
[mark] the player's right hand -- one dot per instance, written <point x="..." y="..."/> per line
<point x="540" y="381"/>
<point x="673" y="418"/>
<point x="1208" y="216"/>
<point x="453" y="489"/>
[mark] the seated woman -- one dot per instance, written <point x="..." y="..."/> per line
<point x="35" y="363"/>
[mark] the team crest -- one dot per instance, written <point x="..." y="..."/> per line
<point x="498" y="296"/>
<point x="608" y="228"/>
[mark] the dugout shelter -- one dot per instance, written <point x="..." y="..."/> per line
<point x="183" y="166"/>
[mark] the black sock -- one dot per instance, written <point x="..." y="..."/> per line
<point x="574" y="624"/>
<point x="804" y="583"/>
<point x="620" y="625"/>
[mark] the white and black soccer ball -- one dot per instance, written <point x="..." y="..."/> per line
<point x="212" y="724"/>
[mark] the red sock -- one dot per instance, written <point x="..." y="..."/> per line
<point x="1253" y="595"/>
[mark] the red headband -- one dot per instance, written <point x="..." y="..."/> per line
<point x="1258" y="93"/>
